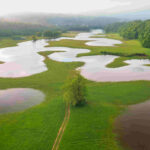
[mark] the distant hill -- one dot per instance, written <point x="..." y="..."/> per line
<point x="139" y="15"/>
<point x="62" y="20"/>
<point x="8" y="29"/>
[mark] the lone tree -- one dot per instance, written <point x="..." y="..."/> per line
<point x="34" y="38"/>
<point x="39" y="34"/>
<point x="75" y="89"/>
<point x="52" y="34"/>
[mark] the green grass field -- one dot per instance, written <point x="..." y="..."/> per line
<point x="90" y="127"/>
<point x="71" y="34"/>
<point x="8" y="42"/>
<point x="118" y="62"/>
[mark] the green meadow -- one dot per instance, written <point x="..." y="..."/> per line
<point x="90" y="127"/>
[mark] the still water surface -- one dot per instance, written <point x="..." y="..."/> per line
<point x="24" y="60"/>
<point x="17" y="99"/>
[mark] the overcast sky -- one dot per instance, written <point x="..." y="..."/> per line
<point x="72" y="6"/>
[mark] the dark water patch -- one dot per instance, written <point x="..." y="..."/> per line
<point x="134" y="127"/>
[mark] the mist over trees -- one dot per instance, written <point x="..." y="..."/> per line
<point x="52" y="34"/>
<point x="132" y="30"/>
<point x="69" y="22"/>
<point x="8" y="29"/>
<point x="37" y="24"/>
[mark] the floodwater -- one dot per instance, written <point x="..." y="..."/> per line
<point x="24" y="60"/>
<point x="17" y="99"/>
<point x="87" y="36"/>
<point x="134" y="127"/>
<point x="95" y="66"/>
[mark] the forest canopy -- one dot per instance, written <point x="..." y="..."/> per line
<point x="8" y="29"/>
<point x="132" y="30"/>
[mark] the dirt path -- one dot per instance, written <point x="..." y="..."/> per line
<point x="62" y="128"/>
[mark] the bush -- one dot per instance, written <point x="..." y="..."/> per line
<point x="52" y="34"/>
<point x="75" y="89"/>
<point x="34" y="38"/>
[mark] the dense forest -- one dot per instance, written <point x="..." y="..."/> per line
<point x="132" y="30"/>
<point x="49" y="25"/>
<point x="8" y="29"/>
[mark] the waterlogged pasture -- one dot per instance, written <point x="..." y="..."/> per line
<point x="90" y="127"/>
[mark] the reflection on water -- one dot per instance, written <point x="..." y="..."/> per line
<point x="24" y="60"/>
<point x="134" y="127"/>
<point x="17" y="99"/>
<point x="95" y="66"/>
<point x="87" y="36"/>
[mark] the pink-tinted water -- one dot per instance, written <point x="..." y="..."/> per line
<point x="17" y="99"/>
<point x="24" y="60"/>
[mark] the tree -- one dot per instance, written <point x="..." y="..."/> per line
<point x="114" y="28"/>
<point x="133" y="30"/>
<point x="51" y="34"/>
<point x="75" y="89"/>
<point x="144" y="35"/>
<point x="34" y="38"/>
<point x="38" y="34"/>
<point x="130" y="30"/>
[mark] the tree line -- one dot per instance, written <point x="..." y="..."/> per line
<point x="10" y="29"/>
<point x="132" y="30"/>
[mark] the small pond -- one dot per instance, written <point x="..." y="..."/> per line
<point x="18" y="99"/>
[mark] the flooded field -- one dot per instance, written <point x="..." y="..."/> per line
<point x="24" y="60"/>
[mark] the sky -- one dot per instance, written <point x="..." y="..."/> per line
<point x="72" y="6"/>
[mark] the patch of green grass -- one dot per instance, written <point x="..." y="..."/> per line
<point x="98" y="36"/>
<point x="118" y="62"/>
<point x="114" y="36"/>
<point x="71" y="34"/>
<point x="147" y="65"/>
<point x="8" y="42"/>
<point x="13" y="41"/>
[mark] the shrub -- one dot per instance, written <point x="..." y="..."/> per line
<point x="75" y="89"/>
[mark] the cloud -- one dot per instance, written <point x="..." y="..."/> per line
<point x="125" y="6"/>
<point x="135" y="4"/>
<point x="72" y="6"/>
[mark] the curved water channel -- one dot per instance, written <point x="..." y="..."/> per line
<point x="24" y="60"/>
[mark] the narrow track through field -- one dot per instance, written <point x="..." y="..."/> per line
<point x="62" y="128"/>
